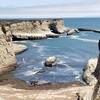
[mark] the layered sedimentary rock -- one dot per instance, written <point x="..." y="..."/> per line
<point x="33" y="29"/>
<point x="7" y="56"/>
<point x="57" y="26"/>
<point x="37" y="26"/>
<point x="41" y="28"/>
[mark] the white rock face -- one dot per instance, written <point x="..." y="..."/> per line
<point x="89" y="70"/>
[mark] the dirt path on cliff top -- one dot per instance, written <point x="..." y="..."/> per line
<point x="13" y="89"/>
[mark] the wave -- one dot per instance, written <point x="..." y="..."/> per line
<point x="40" y="48"/>
<point x="84" y="39"/>
<point x="70" y="68"/>
<point x="35" y="45"/>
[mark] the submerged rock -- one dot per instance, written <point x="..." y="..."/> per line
<point x="50" y="61"/>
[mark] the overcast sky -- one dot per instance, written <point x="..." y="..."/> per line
<point x="21" y="3"/>
<point x="49" y="8"/>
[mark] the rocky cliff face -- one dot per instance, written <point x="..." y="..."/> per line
<point x="7" y="56"/>
<point x="35" y="26"/>
<point x="57" y="26"/>
<point x="91" y="75"/>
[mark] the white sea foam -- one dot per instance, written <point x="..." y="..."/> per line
<point x="84" y="39"/>
<point x="74" y="36"/>
<point x="77" y="59"/>
<point x="23" y="60"/>
<point x="35" y="44"/>
<point x="74" y="71"/>
<point x="30" y="72"/>
<point x="27" y="73"/>
<point x="61" y="62"/>
<point x="41" y="50"/>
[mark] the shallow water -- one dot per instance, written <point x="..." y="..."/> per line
<point x="72" y="54"/>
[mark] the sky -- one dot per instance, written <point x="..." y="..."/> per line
<point x="49" y="8"/>
<point x="22" y="3"/>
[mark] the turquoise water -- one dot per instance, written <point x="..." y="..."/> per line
<point x="72" y="54"/>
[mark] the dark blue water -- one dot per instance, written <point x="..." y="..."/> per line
<point x="72" y="54"/>
<point x="93" y="23"/>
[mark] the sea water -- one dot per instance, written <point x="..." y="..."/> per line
<point x="72" y="52"/>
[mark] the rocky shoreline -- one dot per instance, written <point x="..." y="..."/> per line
<point x="13" y="89"/>
<point x="40" y="29"/>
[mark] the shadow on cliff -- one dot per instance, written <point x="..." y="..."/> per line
<point x="97" y="75"/>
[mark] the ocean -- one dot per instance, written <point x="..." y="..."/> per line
<point x="72" y="52"/>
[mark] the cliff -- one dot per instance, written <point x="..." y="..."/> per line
<point x="35" y="26"/>
<point x="7" y="56"/>
<point x="33" y="29"/>
<point x="8" y="49"/>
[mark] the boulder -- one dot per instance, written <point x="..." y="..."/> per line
<point x="50" y="61"/>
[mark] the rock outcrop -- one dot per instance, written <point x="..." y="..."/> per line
<point x="33" y="29"/>
<point x="7" y="56"/>
<point x="91" y="75"/>
<point x="88" y="75"/>
<point x="72" y="31"/>
<point x="19" y="48"/>
<point x="57" y="26"/>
